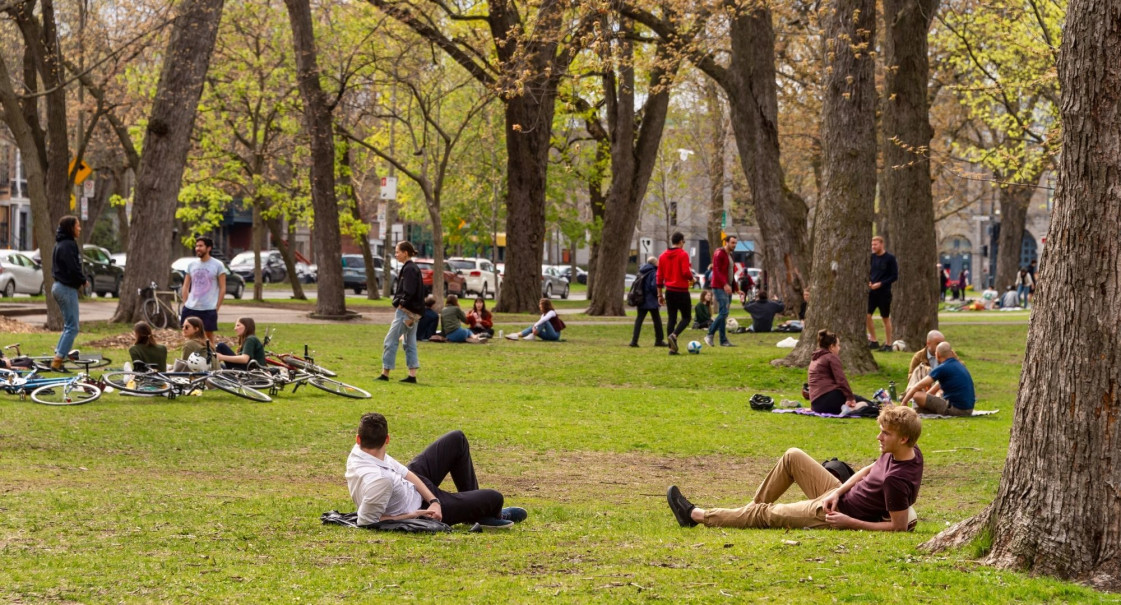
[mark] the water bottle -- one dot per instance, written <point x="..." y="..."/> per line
<point x="502" y="333"/>
<point x="891" y="390"/>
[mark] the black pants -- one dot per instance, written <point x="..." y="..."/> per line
<point x="831" y="402"/>
<point x="451" y="454"/>
<point x="678" y="302"/>
<point x="657" y="315"/>
<point x="482" y="330"/>
<point x="225" y="349"/>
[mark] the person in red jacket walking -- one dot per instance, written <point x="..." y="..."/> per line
<point x="723" y="286"/>
<point x="675" y="276"/>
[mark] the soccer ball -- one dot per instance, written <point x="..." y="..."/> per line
<point x="694" y="347"/>
<point x="732" y="325"/>
<point x="899" y="345"/>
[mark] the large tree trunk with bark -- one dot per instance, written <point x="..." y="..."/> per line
<point x="753" y="101"/>
<point x="843" y="220"/>
<point x="1055" y="511"/>
<point x="330" y="297"/>
<point x="166" y="143"/>
<point x="1014" y="203"/>
<point x="634" y="149"/>
<point x="907" y="195"/>
<point x="715" y="166"/>
<point x="283" y="244"/>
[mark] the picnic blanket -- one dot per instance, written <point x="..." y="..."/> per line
<point x="809" y="412"/>
<point x="411" y="526"/>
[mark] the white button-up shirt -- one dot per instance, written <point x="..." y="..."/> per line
<point x="378" y="487"/>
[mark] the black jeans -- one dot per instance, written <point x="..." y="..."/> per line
<point x="225" y="349"/>
<point x="678" y="303"/>
<point x="657" y="315"/>
<point x="451" y="454"/>
<point x="831" y="402"/>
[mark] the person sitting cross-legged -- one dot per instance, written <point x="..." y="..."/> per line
<point x="880" y="496"/>
<point x="386" y="490"/>
<point x="951" y="379"/>
<point x="763" y="311"/>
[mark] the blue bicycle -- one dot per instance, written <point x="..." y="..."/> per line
<point x="63" y="390"/>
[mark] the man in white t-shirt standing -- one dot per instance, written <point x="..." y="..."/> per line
<point x="204" y="287"/>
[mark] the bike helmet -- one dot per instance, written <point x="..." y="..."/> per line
<point x="197" y="363"/>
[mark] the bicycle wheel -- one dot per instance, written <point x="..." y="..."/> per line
<point x="67" y="393"/>
<point x="335" y="387"/>
<point x="81" y="365"/>
<point x="306" y="366"/>
<point x="254" y="379"/>
<point x="236" y="388"/>
<point x="141" y="384"/>
<point x="155" y="314"/>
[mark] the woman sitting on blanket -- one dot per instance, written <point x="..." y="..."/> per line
<point x="829" y="389"/>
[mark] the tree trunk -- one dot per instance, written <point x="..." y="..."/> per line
<point x="1014" y="202"/>
<point x="597" y="201"/>
<point x="752" y="98"/>
<point x="843" y="219"/>
<point x="633" y="154"/>
<point x="715" y="168"/>
<point x="529" y="119"/>
<point x="907" y="196"/>
<point x="362" y="240"/>
<point x="166" y="143"/>
<point x="284" y="245"/>
<point x="438" y="289"/>
<point x="330" y="298"/>
<point x="1055" y="510"/>
<point x="255" y="238"/>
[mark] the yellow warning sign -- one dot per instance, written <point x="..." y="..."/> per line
<point x="84" y="171"/>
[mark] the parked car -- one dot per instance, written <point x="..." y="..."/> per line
<point x="119" y="259"/>
<point x="453" y="282"/>
<point x="307" y="274"/>
<point x="104" y="275"/>
<point x="628" y="279"/>
<point x="18" y="273"/>
<point x="235" y="285"/>
<point x="552" y="282"/>
<point x="566" y="272"/>
<point x="480" y="274"/>
<point x="272" y="266"/>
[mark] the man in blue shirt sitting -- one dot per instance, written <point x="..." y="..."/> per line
<point x="951" y="379"/>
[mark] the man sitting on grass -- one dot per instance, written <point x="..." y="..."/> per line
<point x="951" y="379"/>
<point x="385" y="490"/>
<point x="878" y="497"/>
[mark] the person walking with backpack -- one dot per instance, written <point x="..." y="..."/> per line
<point x="646" y="285"/>
<point x="675" y="276"/>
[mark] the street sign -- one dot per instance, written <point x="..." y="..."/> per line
<point x="84" y="171"/>
<point x="88" y="188"/>
<point x="388" y="187"/>
<point x="85" y="208"/>
<point x="724" y="220"/>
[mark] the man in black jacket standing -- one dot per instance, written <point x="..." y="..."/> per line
<point x="409" y="302"/>
<point x="884" y="272"/>
<point x="66" y="261"/>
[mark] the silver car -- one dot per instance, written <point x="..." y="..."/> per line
<point x="552" y="282"/>
<point x="18" y="273"/>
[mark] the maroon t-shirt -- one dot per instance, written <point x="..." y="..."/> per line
<point x="890" y="485"/>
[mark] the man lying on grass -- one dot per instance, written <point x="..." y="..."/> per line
<point x="385" y="490"/>
<point x="878" y="497"/>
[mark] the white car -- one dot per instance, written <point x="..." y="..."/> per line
<point x="18" y="273"/>
<point x="481" y="276"/>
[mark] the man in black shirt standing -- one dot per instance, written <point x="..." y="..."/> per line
<point x="884" y="272"/>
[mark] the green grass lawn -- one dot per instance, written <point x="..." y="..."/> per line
<point x="212" y="498"/>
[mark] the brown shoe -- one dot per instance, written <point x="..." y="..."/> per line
<point x="56" y="364"/>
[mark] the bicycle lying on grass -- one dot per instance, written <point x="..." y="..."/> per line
<point x="290" y="369"/>
<point x="75" y="360"/>
<point x="63" y="390"/>
<point x="144" y="381"/>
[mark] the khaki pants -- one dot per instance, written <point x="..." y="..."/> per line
<point x="795" y="467"/>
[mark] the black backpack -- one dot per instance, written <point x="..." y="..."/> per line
<point x="637" y="294"/>
<point x="839" y="469"/>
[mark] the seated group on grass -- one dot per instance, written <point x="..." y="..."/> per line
<point x="547" y="327"/>
<point x="453" y="318"/>
<point x="947" y="389"/>
<point x="878" y="497"/>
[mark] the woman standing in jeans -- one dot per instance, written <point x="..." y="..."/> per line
<point x="66" y="268"/>
<point x="409" y="302"/>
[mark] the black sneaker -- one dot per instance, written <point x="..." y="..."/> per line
<point x="661" y="344"/>
<point x="886" y="349"/>
<point x="673" y="344"/>
<point x="514" y="513"/>
<point x="409" y="379"/>
<point x="680" y="506"/>
<point x="633" y="344"/>
<point x="727" y="344"/>
<point x="383" y="377"/>
<point x="873" y="344"/>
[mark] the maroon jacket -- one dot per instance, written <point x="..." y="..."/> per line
<point x="721" y="267"/>
<point x="826" y="374"/>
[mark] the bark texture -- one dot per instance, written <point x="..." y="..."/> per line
<point x="753" y="103"/>
<point x="166" y="143"/>
<point x="843" y="220"/>
<point x="634" y="150"/>
<point x="330" y="298"/>
<point x="1055" y="512"/>
<point x="715" y="166"/>
<point x="1014" y="202"/>
<point x="907" y="192"/>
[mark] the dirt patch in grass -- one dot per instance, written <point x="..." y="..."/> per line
<point x="15" y="326"/>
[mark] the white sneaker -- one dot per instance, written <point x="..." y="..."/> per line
<point x="708" y="340"/>
<point x="529" y="337"/>
<point x="513" y="336"/>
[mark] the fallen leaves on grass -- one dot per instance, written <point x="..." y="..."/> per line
<point x="15" y="326"/>
<point x="172" y="339"/>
